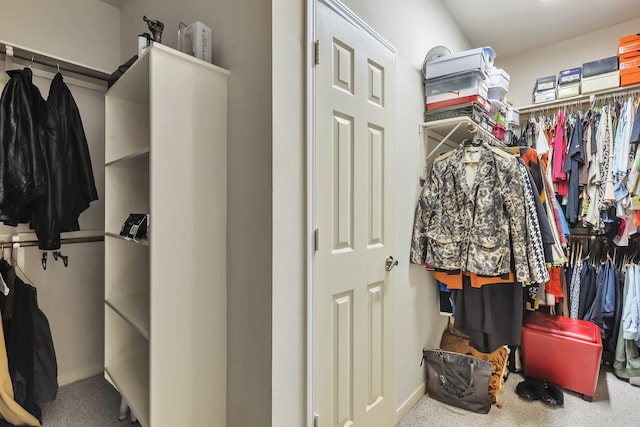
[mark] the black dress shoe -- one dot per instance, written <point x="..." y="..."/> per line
<point x="530" y="389"/>
<point x="552" y="395"/>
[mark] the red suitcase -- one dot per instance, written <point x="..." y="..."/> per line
<point x="561" y="350"/>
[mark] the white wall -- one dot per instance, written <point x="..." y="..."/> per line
<point x="526" y="67"/>
<point x="71" y="297"/>
<point x="289" y="218"/>
<point x="81" y="31"/>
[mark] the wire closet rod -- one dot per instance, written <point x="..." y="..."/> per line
<point x="50" y="61"/>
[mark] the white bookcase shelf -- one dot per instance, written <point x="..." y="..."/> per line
<point x="134" y="309"/>
<point x="133" y="375"/>
<point x="165" y="296"/>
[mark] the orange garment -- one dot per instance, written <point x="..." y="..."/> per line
<point x="451" y="278"/>
<point x="479" y="281"/>
<point x="554" y="285"/>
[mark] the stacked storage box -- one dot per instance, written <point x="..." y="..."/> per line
<point x="569" y="83"/>
<point x="455" y="85"/>
<point x="498" y="85"/>
<point x="545" y="89"/>
<point x="629" y="58"/>
<point x="600" y="75"/>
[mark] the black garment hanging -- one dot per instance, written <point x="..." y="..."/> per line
<point x="30" y="351"/>
<point x="543" y="221"/>
<point x="22" y="164"/>
<point x="611" y="324"/>
<point x="490" y="315"/>
<point x="587" y="288"/>
<point x="574" y="160"/>
<point x="593" y="312"/>
<point x="71" y="186"/>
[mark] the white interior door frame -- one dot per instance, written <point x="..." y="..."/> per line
<point x="310" y="127"/>
<point x="310" y="206"/>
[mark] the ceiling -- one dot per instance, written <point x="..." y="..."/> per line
<point x="511" y="27"/>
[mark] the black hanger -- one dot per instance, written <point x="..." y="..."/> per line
<point x="65" y="259"/>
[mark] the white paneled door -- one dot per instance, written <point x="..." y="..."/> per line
<point x="354" y="214"/>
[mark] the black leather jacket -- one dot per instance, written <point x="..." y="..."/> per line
<point x="71" y="186"/>
<point x="45" y="169"/>
<point x="23" y="173"/>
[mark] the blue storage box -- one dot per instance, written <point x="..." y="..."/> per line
<point x="571" y="75"/>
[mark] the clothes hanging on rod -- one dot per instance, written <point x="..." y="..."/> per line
<point x="10" y="411"/>
<point x="29" y="344"/>
<point x="599" y="282"/>
<point x="606" y="200"/>
<point x="471" y="223"/>
<point x="626" y="364"/>
<point x="71" y="185"/>
<point x="597" y="160"/>
<point x="594" y="175"/>
<point x="546" y="209"/>
<point x="456" y="223"/>
<point x="22" y="163"/>
<point x="46" y="168"/>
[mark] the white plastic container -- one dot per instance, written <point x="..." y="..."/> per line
<point x="195" y="40"/>
<point x="459" y="94"/>
<point x="480" y="59"/>
<point x="497" y="92"/>
<point x="454" y="83"/>
<point x="513" y="117"/>
<point x="498" y="77"/>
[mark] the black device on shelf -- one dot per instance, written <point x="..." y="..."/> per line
<point x="135" y="226"/>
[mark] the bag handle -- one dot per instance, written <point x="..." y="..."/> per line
<point x="472" y="365"/>
<point x="459" y="393"/>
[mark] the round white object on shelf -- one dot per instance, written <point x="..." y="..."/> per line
<point x="435" y="52"/>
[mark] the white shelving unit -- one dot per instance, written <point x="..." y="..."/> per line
<point x="439" y="136"/>
<point x="165" y="296"/>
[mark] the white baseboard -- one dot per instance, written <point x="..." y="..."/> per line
<point x="410" y="402"/>
<point x="71" y="377"/>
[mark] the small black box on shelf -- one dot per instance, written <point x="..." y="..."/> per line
<point x="600" y="66"/>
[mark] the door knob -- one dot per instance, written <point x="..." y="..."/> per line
<point x="390" y="263"/>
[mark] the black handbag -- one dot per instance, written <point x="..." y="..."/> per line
<point x="458" y="379"/>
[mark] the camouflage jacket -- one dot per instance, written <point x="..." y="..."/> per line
<point x="475" y="228"/>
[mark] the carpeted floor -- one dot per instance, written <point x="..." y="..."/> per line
<point x="616" y="403"/>
<point x="91" y="402"/>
